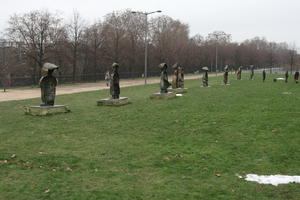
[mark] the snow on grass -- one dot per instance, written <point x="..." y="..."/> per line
<point x="272" y="179"/>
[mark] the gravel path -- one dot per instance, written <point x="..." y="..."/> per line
<point x="24" y="93"/>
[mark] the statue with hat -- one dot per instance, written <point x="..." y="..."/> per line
<point x="286" y="76"/>
<point x="239" y="73"/>
<point x="164" y="83"/>
<point x="175" y="79"/>
<point x="251" y="72"/>
<point x="180" y="77"/>
<point x="115" y="82"/>
<point x="296" y="77"/>
<point x="264" y="75"/>
<point x="225" y="80"/>
<point x="48" y="85"/>
<point x="205" y="77"/>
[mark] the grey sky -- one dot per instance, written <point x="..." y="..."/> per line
<point x="277" y="20"/>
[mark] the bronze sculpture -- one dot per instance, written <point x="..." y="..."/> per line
<point x="48" y="85"/>
<point x="239" y="73"/>
<point x="264" y="75"/>
<point x="286" y="76"/>
<point x="180" y="77"/>
<point x="296" y="77"/>
<point x="115" y="82"/>
<point x="205" y="77"/>
<point x="225" y="80"/>
<point x="251" y="72"/>
<point x="164" y="83"/>
<point x="175" y="78"/>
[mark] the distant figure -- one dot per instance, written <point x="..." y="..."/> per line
<point x="205" y="77"/>
<point x="225" y="80"/>
<point x="286" y="76"/>
<point x="164" y="83"/>
<point x="48" y="85"/>
<point x="180" y="77"/>
<point x="107" y="78"/>
<point x="175" y="78"/>
<point x="115" y="82"/>
<point x="296" y="77"/>
<point x="239" y="73"/>
<point x="264" y="75"/>
<point x="251" y="72"/>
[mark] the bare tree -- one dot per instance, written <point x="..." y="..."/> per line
<point x="95" y="39"/>
<point x="292" y="54"/>
<point x="34" y="31"/>
<point x="218" y="38"/>
<point x="75" y="32"/>
<point x="115" y="25"/>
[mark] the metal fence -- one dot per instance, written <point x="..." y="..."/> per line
<point x="19" y="81"/>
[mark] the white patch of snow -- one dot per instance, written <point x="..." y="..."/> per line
<point x="179" y="95"/>
<point x="272" y="179"/>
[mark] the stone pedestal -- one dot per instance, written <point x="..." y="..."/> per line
<point x="113" y="102"/>
<point x="46" y="110"/>
<point x="169" y="95"/>
<point x="178" y="90"/>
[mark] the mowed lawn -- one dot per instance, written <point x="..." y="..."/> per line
<point x="191" y="147"/>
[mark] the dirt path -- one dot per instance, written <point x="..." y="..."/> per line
<point x="22" y="93"/>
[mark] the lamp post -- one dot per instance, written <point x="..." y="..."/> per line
<point x="146" y="38"/>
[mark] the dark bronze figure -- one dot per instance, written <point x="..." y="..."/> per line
<point x="48" y="85"/>
<point x="264" y="75"/>
<point x="286" y="76"/>
<point x="164" y="83"/>
<point x="251" y="72"/>
<point x="180" y="77"/>
<point x="225" y="80"/>
<point x="115" y="82"/>
<point x="296" y="77"/>
<point x="175" y="79"/>
<point x="239" y="74"/>
<point x="205" y="77"/>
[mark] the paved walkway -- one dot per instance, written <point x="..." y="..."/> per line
<point x="24" y="93"/>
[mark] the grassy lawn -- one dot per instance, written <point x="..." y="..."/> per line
<point x="190" y="147"/>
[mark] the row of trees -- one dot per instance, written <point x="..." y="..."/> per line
<point x="85" y="51"/>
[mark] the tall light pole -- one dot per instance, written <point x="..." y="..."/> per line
<point x="146" y="38"/>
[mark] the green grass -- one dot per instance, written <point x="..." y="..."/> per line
<point x="155" y="149"/>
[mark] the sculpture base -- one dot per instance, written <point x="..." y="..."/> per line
<point x="178" y="90"/>
<point x="46" y="110"/>
<point x="113" y="102"/>
<point x="169" y="95"/>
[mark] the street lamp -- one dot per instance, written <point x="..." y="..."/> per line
<point x="146" y="37"/>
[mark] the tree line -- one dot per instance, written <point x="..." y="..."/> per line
<point x="84" y="52"/>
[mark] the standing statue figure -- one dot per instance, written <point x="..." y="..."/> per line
<point x="175" y="79"/>
<point x="48" y="85"/>
<point x="239" y="73"/>
<point x="296" y="77"/>
<point x="115" y="82"/>
<point x="164" y="83"/>
<point x="107" y="78"/>
<point x="225" y="80"/>
<point x="251" y="72"/>
<point x="180" y="77"/>
<point x="264" y="75"/>
<point x="205" y="77"/>
<point x="286" y="76"/>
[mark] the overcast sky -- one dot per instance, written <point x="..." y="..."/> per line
<point x="277" y="20"/>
